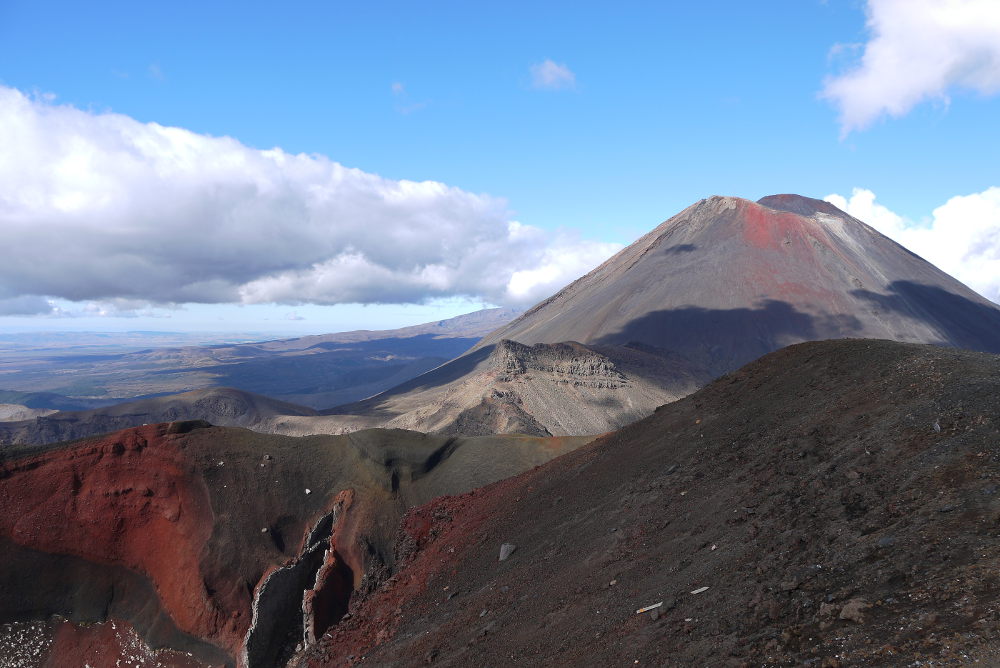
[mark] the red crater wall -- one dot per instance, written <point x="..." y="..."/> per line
<point x="132" y="499"/>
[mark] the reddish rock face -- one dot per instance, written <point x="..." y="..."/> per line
<point x="132" y="500"/>
<point x="340" y="574"/>
<point x="138" y="499"/>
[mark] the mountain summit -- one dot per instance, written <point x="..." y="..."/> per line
<point x="722" y="283"/>
<point x="728" y="280"/>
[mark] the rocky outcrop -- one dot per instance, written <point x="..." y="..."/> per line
<point x="278" y="622"/>
<point x="569" y="363"/>
<point x="545" y="389"/>
<point x="328" y="598"/>
<point x="296" y="603"/>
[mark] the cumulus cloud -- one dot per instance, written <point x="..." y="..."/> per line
<point x="549" y="75"/>
<point x="962" y="236"/>
<point x="101" y="207"/>
<point x="918" y="50"/>
<point x="565" y="256"/>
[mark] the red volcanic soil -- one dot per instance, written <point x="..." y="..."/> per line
<point x="832" y="504"/>
<point x="765" y="228"/>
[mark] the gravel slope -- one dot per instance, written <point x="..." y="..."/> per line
<point x="833" y="504"/>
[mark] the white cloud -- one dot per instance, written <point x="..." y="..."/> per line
<point x="566" y="256"/>
<point x="548" y="75"/>
<point x="962" y="237"/>
<point x="918" y="50"/>
<point x="100" y="207"/>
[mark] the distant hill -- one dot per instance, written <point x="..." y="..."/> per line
<point x="220" y="406"/>
<point x="318" y="371"/>
<point x="9" y="412"/>
<point x="49" y="401"/>
<point x="471" y="325"/>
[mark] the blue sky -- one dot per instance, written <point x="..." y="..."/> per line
<point x="667" y="103"/>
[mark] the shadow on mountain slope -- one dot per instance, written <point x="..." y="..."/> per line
<point x="444" y="374"/>
<point x="962" y="322"/>
<point x="724" y="339"/>
<point x="334" y="372"/>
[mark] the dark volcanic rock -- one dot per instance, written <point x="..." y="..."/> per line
<point x="787" y="514"/>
